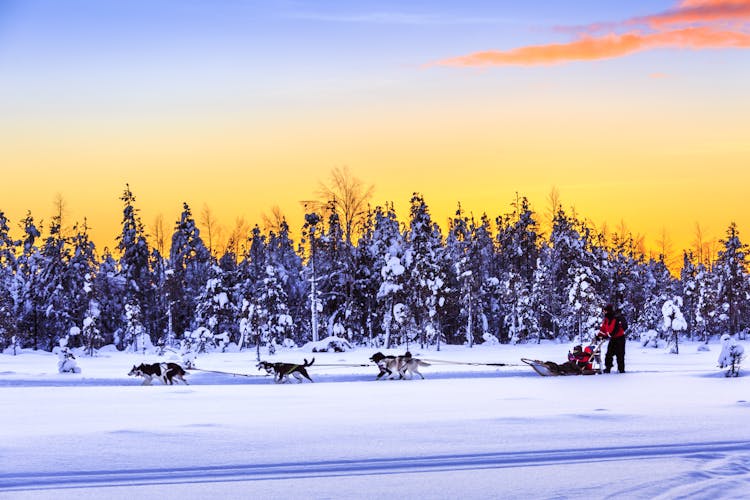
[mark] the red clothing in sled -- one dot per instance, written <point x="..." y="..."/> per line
<point x="581" y="359"/>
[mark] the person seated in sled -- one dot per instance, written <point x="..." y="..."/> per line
<point x="579" y="362"/>
<point x="581" y="358"/>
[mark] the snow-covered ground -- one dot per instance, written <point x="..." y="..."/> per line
<point x="672" y="427"/>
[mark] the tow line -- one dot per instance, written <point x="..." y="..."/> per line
<point x="225" y="373"/>
<point x="468" y="363"/>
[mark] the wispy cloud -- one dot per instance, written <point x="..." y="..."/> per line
<point x="403" y="18"/>
<point x="692" y="24"/>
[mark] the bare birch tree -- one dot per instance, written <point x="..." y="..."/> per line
<point x="272" y="222"/>
<point x="348" y="196"/>
<point x="212" y="228"/>
<point x="158" y="233"/>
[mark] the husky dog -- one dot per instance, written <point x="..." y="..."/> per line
<point x="390" y="365"/>
<point x="731" y="355"/>
<point x="410" y="365"/>
<point x="281" y="371"/>
<point x="166" y="372"/>
<point x="386" y="364"/>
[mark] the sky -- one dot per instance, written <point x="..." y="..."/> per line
<point x="635" y="112"/>
<point x="673" y="427"/>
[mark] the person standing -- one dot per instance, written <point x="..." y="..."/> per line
<point x="613" y="329"/>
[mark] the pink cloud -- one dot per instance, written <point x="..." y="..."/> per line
<point x="693" y="24"/>
<point x="699" y="12"/>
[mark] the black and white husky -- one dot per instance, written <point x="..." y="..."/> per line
<point x="166" y="372"/>
<point x="282" y="371"/>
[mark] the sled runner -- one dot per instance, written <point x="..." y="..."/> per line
<point x="540" y="367"/>
<point x="552" y="369"/>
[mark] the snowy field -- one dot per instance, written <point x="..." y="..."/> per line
<point x="672" y="427"/>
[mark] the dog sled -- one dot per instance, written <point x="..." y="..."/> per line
<point x="582" y="361"/>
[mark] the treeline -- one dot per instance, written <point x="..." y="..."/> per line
<point x="383" y="283"/>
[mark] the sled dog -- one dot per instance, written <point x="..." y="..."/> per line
<point x="166" y="372"/>
<point x="281" y="371"/>
<point x="410" y="365"/>
<point x="390" y="365"/>
<point x="386" y="364"/>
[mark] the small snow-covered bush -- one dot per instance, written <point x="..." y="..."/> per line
<point x="329" y="344"/>
<point x="490" y="339"/>
<point x="66" y="361"/>
<point x="651" y="338"/>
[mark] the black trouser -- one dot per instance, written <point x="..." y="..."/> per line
<point x="615" y="348"/>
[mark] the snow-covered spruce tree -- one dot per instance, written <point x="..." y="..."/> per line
<point x="658" y="286"/>
<point x="584" y="303"/>
<point x="189" y="267"/>
<point x="159" y="322"/>
<point x="589" y="289"/>
<point x="90" y="333"/>
<point x="485" y="264"/>
<point x="517" y="240"/>
<point x="54" y="315"/>
<point x="625" y="265"/>
<point x="135" y="338"/>
<point x="28" y="287"/>
<point x="366" y="283"/>
<point x="8" y="296"/>
<point x="233" y="280"/>
<point x="80" y="268"/>
<point x="464" y="277"/>
<point x="564" y="259"/>
<point x="673" y="323"/>
<point x="134" y="267"/>
<point x="251" y="273"/>
<point x="287" y="264"/>
<point x="425" y="280"/>
<point x="334" y="266"/>
<point x="274" y="321"/>
<point x="109" y="289"/>
<point x="733" y="287"/>
<point x="542" y="289"/>
<point x="518" y="254"/>
<point x="249" y="324"/>
<point x="213" y="312"/>
<point x="706" y="313"/>
<point x="7" y="307"/>
<point x="688" y="289"/>
<point x="388" y="246"/>
<point x="520" y="319"/>
<point x="471" y="291"/>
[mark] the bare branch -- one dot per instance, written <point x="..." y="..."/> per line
<point x="348" y="196"/>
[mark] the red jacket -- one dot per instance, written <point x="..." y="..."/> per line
<point x="581" y="359"/>
<point x="608" y="325"/>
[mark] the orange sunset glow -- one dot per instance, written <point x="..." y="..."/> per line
<point x="637" y="114"/>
